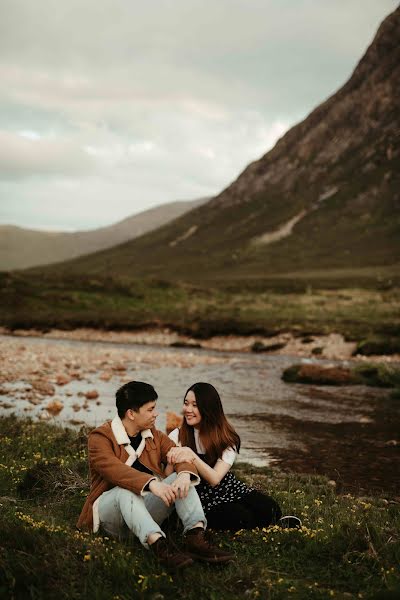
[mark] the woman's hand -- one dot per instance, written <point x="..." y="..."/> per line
<point x="178" y="455"/>
<point x="166" y="492"/>
<point x="181" y="485"/>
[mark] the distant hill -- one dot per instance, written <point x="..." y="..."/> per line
<point x="327" y="196"/>
<point x="22" y="248"/>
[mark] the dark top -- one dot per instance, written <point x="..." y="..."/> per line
<point x="135" y="441"/>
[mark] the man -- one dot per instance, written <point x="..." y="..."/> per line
<point x="128" y="492"/>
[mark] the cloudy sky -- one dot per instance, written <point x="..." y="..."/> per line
<point x="109" y="107"/>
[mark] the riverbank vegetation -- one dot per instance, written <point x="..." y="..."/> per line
<point x="375" y="375"/>
<point x="348" y="547"/>
<point x="366" y="310"/>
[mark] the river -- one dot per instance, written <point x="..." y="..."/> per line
<point x="350" y="434"/>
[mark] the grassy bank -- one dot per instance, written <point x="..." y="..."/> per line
<point x="374" y="375"/>
<point x="348" y="548"/>
<point x="369" y="315"/>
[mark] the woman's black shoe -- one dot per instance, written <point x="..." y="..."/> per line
<point x="289" y="522"/>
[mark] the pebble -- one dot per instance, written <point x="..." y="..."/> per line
<point x="62" y="380"/>
<point x="55" y="407"/>
<point x="43" y="387"/>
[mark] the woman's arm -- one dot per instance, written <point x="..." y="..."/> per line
<point x="174" y="436"/>
<point x="212" y="475"/>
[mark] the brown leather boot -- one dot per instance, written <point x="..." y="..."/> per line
<point x="169" y="556"/>
<point x="197" y="546"/>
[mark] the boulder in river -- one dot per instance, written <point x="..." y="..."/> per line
<point x="91" y="395"/>
<point x="260" y="347"/>
<point x="62" y="380"/>
<point x="55" y="407"/>
<point x="43" y="387"/>
<point x="319" y="375"/>
<point x="105" y="376"/>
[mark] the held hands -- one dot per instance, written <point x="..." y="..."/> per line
<point x="178" y="455"/>
<point x="169" y="493"/>
<point x="164" y="491"/>
<point x="181" y="485"/>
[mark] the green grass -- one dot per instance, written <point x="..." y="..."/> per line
<point x="348" y="547"/>
<point x="367" y="315"/>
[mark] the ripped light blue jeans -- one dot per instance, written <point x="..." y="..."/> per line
<point x="121" y="511"/>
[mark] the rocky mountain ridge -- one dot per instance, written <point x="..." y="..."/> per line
<point x="339" y="169"/>
<point x="339" y="125"/>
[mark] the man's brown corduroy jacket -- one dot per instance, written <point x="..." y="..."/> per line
<point x="110" y="460"/>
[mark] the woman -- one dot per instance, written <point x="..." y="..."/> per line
<point x="208" y="440"/>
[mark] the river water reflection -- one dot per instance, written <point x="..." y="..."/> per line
<point x="332" y="431"/>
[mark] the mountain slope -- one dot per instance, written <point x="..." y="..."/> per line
<point x="326" y="196"/>
<point x="22" y="248"/>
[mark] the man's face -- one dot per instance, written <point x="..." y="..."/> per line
<point x="146" y="416"/>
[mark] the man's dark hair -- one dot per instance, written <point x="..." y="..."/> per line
<point x="133" y="395"/>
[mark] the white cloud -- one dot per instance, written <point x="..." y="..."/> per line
<point x="30" y="155"/>
<point x="110" y="106"/>
<point x="30" y="135"/>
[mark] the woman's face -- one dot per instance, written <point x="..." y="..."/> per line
<point x="190" y="411"/>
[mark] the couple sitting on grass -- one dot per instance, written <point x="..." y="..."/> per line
<point x="139" y="476"/>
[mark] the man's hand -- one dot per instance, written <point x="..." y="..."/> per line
<point x="164" y="491"/>
<point x="181" y="485"/>
<point x="178" y="455"/>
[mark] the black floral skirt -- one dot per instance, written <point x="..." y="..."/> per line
<point x="229" y="489"/>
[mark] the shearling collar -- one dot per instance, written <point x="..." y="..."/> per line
<point x="120" y="433"/>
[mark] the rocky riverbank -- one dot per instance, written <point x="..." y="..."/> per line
<point x="332" y="346"/>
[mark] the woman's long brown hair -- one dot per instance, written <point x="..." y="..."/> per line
<point x="215" y="431"/>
